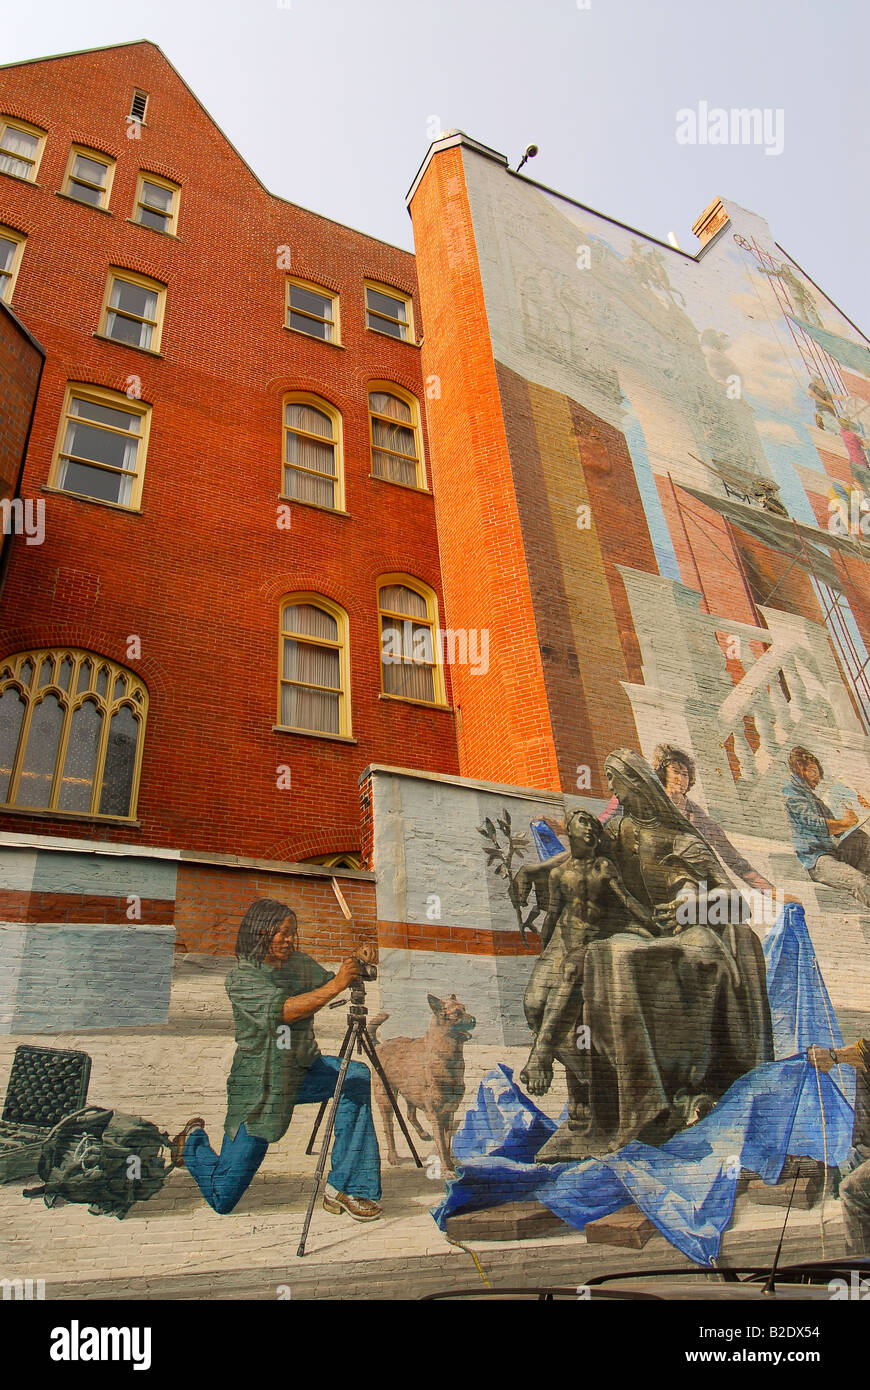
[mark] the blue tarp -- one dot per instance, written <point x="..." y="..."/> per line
<point x="686" y="1187"/>
<point x="799" y="1004"/>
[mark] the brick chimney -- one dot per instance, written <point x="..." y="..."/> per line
<point x="711" y="219"/>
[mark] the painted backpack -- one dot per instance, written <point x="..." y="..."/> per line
<point x="102" y="1158"/>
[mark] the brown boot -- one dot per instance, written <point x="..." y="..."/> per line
<point x="176" y="1145"/>
<point x="360" y="1208"/>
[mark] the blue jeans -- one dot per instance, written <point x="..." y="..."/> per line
<point x="356" y="1164"/>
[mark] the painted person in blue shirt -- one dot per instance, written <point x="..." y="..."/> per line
<point x="816" y="830"/>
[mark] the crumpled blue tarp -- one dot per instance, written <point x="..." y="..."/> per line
<point x="686" y="1187"/>
<point x="800" y="1007"/>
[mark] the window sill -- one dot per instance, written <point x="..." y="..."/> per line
<point x="80" y="202"/>
<point x="87" y="816"/>
<point x="423" y="704"/>
<point x="20" y="178"/>
<point x="316" y="506"/>
<point x="116" y="342"/>
<point x="312" y="733"/>
<point x="324" y="342"/>
<point x="409" y="487"/>
<point x="94" y="501"/>
<point x="406" y="342"/>
<point x="172" y="236"/>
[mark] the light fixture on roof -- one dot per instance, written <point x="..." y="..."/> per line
<point x="531" y="151"/>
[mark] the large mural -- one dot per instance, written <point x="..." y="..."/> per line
<point x="628" y="1012"/>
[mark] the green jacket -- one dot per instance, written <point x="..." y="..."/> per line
<point x="271" y="1057"/>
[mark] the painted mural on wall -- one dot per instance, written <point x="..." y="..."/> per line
<point x="651" y="1002"/>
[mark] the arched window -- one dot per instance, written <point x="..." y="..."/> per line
<point x="71" y="733"/>
<point x="394" y="417"/>
<point x="411" y="660"/>
<point x="21" y="146"/>
<point x="345" y="859"/>
<point x="314" y="675"/>
<point x="313" y="469"/>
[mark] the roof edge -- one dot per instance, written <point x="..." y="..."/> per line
<point x="447" y="140"/>
<point x="22" y="326"/>
<point x="149" y="43"/>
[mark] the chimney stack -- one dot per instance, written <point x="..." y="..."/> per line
<point x="711" y="219"/>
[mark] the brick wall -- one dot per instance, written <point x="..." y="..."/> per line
<point x="199" y="574"/>
<point x="20" y="363"/>
<point x="213" y="899"/>
<point x="505" y="726"/>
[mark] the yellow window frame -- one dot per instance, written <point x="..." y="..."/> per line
<point x="140" y="203"/>
<point x="134" y="697"/>
<point x="391" y="389"/>
<point x="439" y="685"/>
<point x="334" y="321"/>
<point x="12" y="123"/>
<point x="115" y="400"/>
<point x="144" y="282"/>
<point x="401" y="298"/>
<point x="340" y="644"/>
<point x="71" y="177"/>
<point x="318" y="403"/>
<point x="9" y="276"/>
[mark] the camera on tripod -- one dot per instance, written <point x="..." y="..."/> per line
<point x="368" y="971"/>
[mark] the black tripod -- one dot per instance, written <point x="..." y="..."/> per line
<point x="357" y="1033"/>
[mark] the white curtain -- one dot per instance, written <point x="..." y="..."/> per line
<point x="85" y="440"/>
<point x="17" y="142"/>
<point x="400" y="438"/>
<point x="302" y="453"/>
<point x="137" y="301"/>
<point x="413" y="676"/>
<point x="303" y="707"/>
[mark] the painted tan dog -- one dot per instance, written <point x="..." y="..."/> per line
<point x="429" y="1072"/>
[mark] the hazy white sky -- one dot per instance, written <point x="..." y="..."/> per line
<point x="333" y="102"/>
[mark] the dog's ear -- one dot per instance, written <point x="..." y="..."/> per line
<point x="435" y="1004"/>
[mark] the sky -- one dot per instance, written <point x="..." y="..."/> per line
<point x="334" y="103"/>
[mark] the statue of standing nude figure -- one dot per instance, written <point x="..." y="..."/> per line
<point x="587" y="900"/>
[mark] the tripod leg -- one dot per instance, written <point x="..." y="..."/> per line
<point x="324" y="1148"/>
<point x="347" y="1044"/>
<point x="368" y="1047"/>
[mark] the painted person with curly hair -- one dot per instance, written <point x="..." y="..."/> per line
<point x="675" y="770"/>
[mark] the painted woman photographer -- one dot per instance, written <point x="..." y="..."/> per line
<point x="275" y="990"/>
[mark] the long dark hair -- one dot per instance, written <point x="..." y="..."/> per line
<point x="258" y="926"/>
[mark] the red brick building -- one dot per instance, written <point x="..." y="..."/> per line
<point x="213" y="351"/>
<point x="21" y="359"/>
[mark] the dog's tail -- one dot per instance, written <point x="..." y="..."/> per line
<point x="375" y="1025"/>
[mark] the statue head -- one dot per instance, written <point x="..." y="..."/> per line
<point x="585" y="833"/>
<point x="639" y="791"/>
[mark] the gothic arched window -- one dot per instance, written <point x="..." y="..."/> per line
<point x="71" y="733"/>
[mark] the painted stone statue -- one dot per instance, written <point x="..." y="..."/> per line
<point x="673" y="1011"/>
<point x="585" y="892"/>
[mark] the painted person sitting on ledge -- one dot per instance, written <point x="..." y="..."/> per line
<point x="275" y="990"/>
<point x="830" y="848"/>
